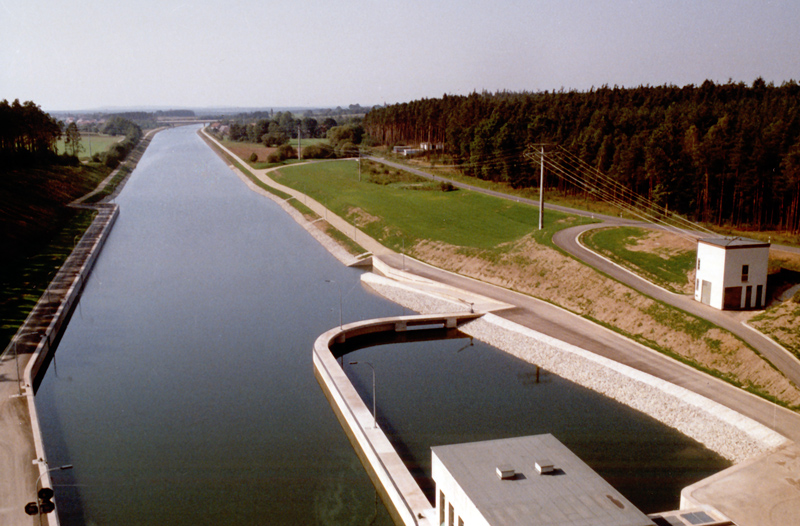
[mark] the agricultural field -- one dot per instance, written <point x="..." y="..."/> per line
<point x="245" y="149"/>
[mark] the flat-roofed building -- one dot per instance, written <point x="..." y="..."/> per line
<point x="732" y="273"/>
<point x="524" y="481"/>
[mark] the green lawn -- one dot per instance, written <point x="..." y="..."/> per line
<point x="404" y="212"/>
<point x="92" y="143"/>
<point x="669" y="272"/>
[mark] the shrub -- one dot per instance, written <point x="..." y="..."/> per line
<point x="284" y="151"/>
<point x="253" y="157"/>
<point x="347" y="149"/>
<point x="318" y="151"/>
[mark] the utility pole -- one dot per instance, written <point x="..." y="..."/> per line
<point x="541" y="191"/>
<point x="299" y="150"/>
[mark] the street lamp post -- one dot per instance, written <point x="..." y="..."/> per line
<point x="374" y="412"/>
<point x="40" y="500"/>
<point x="340" y="300"/>
<point x="16" y="357"/>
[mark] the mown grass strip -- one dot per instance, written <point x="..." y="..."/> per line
<point x="398" y="216"/>
<point x="668" y="272"/>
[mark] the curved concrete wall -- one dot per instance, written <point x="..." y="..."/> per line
<point x="401" y="493"/>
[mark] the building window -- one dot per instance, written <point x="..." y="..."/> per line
<point x="460" y="521"/>
<point x="452" y="517"/>
<point x="441" y="507"/>
<point x="698" y="263"/>
<point x="745" y="273"/>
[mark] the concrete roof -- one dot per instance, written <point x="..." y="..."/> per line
<point x="764" y="491"/>
<point x="734" y="242"/>
<point x="572" y="495"/>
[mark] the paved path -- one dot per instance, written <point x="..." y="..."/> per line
<point x="567" y="239"/>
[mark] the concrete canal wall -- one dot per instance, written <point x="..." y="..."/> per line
<point x="48" y="319"/>
<point x="401" y="493"/>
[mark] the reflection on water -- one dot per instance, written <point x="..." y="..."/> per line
<point x="185" y="392"/>
<point x="433" y="393"/>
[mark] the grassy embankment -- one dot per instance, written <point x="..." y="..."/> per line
<point x="496" y="241"/>
<point x="664" y="260"/>
<point x="667" y="265"/>
<point x="40" y="229"/>
<point x="351" y="246"/>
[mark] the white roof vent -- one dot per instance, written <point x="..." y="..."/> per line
<point x="506" y="472"/>
<point x="544" y="467"/>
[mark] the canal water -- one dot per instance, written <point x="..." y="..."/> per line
<point x="183" y="388"/>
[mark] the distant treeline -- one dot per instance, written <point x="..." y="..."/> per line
<point x="720" y="153"/>
<point x="277" y="129"/>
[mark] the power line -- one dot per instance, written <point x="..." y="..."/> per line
<point x="574" y="170"/>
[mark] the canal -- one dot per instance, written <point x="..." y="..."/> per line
<point x="183" y="389"/>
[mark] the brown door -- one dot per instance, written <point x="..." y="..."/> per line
<point x="732" y="299"/>
<point x="748" y="296"/>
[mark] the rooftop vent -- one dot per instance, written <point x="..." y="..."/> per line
<point x="506" y="472"/>
<point x="544" y="467"/>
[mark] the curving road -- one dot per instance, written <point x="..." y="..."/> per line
<point x="567" y="239"/>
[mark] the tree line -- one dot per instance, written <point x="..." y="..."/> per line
<point x="29" y="135"/>
<point x="727" y="154"/>
<point x="278" y="129"/>
<point x="26" y="132"/>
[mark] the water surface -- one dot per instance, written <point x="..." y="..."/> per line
<point x="183" y="389"/>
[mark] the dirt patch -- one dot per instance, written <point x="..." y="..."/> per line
<point x="540" y="271"/>
<point x="664" y="244"/>
<point x="360" y="217"/>
<point x="243" y="151"/>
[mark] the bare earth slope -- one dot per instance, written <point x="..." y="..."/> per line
<point x="544" y="272"/>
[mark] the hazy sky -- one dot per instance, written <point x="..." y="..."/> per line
<point x="84" y="54"/>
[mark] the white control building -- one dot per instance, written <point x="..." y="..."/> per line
<point x="732" y="273"/>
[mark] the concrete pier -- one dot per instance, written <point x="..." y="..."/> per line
<point x="400" y="492"/>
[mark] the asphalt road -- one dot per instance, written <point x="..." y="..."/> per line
<point x="568" y="240"/>
<point x="785" y="362"/>
<point x="565" y="326"/>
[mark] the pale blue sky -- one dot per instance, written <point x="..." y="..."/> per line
<point x="83" y="54"/>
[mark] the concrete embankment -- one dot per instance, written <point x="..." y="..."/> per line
<point x="33" y="347"/>
<point x="730" y="434"/>
<point x="400" y="492"/>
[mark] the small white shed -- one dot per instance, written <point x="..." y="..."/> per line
<point x="732" y="273"/>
